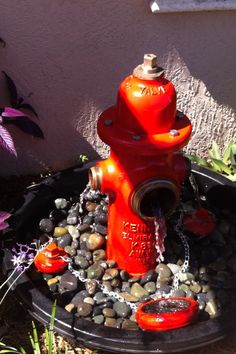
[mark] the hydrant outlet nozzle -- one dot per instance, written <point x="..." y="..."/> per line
<point x="95" y="177"/>
<point x="153" y="197"/>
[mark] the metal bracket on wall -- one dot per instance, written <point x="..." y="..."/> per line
<point x="163" y="6"/>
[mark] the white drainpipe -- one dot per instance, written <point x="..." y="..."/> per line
<point x="160" y="6"/>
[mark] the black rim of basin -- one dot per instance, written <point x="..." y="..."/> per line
<point x="219" y="192"/>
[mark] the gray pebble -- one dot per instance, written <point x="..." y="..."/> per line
<point x="121" y="309"/>
<point x="99" y="319"/>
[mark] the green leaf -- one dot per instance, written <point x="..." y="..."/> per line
<point x="215" y="151"/>
<point x="36" y="339"/>
<point x="51" y="328"/>
<point x="227" y="152"/>
<point x="198" y="160"/>
<point x="220" y="166"/>
<point x="232" y="178"/>
<point x="233" y="154"/>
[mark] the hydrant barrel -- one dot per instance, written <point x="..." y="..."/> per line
<point x="144" y="172"/>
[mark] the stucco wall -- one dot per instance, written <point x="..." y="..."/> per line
<point x="68" y="57"/>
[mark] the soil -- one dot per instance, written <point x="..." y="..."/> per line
<point x="16" y="323"/>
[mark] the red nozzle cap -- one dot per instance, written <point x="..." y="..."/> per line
<point x="50" y="260"/>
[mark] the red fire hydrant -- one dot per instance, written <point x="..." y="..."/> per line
<point x="144" y="172"/>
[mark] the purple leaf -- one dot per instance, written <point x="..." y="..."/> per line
<point x="29" y="107"/>
<point x="12" y="112"/>
<point x="3" y="225"/>
<point x="6" y="141"/>
<point x="12" y="90"/>
<point x="4" y="215"/>
<point x="28" y="126"/>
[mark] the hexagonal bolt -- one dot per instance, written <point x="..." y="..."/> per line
<point x="150" y="61"/>
<point x="108" y="122"/>
<point x="174" y="132"/>
<point x="136" y="137"/>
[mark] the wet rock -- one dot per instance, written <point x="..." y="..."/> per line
<point x="73" y="231"/>
<point x="61" y="203"/>
<point x="164" y="272"/>
<point x="101" y="229"/>
<point x="68" y="282"/>
<point x="134" y="279"/>
<point x="150" y="287"/>
<point x="84" y="227"/>
<point x="100" y="298"/>
<point x="75" y="244"/>
<point x="90" y="206"/>
<point x="124" y="275"/>
<point x="52" y="281"/>
<point x="91" y="286"/>
<point x="129" y="325"/>
<point x="108" y="312"/>
<point x="110" y="322"/>
<point x="110" y="274"/>
<point x="128" y="297"/>
<point x="69" y="307"/>
<point x="205" y="288"/>
<point x="64" y="240"/>
<point x="195" y="287"/>
<point x="82" y="262"/>
<point x="100" y="218"/>
<point x="125" y="286"/>
<point x="107" y="304"/>
<point x="88" y="220"/>
<point x="175" y="268"/>
<point x="79" y="297"/>
<point x="72" y="219"/>
<point x="111" y="263"/>
<point x="98" y="255"/>
<point x="95" y="271"/>
<point x="179" y="292"/>
<point x="116" y="283"/>
<point x="89" y="300"/>
<point x="57" y="215"/>
<point x="94" y="241"/>
<point x="97" y="311"/>
<point x="99" y="319"/>
<point x="186" y="277"/>
<point x="201" y="305"/>
<point x="150" y="276"/>
<point x="137" y="290"/>
<point x="107" y="284"/>
<point x="70" y="250"/>
<point x="121" y="309"/>
<point x="46" y="225"/>
<point x="59" y="231"/>
<point x="211" y="308"/>
<point x="84" y="309"/>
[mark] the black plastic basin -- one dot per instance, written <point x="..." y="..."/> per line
<point x="219" y="192"/>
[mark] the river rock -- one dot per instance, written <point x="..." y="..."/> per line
<point x="99" y="319"/>
<point x="150" y="287"/>
<point x="95" y="271"/>
<point x="61" y="203"/>
<point x="110" y="322"/>
<point x="211" y="308"/>
<point x="84" y="309"/>
<point x="164" y="272"/>
<point x="101" y="229"/>
<point x="64" y="240"/>
<point x="108" y="312"/>
<point x="81" y="261"/>
<point x="98" y="255"/>
<point x="150" y="276"/>
<point x="129" y="325"/>
<point x="79" y="297"/>
<point x="110" y="274"/>
<point x="137" y="290"/>
<point x="73" y="231"/>
<point x="46" y="225"/>
<point x="128" y="297"/>
<point x="94" y="241"/>
<point x="68" y="282"/>
<point x="121" y="309"/>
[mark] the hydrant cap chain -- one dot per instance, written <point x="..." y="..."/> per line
<point x="149" y="70"/>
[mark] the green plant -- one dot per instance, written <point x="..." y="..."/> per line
<point x="34" y="339"/>
<point x="223" y="163"/>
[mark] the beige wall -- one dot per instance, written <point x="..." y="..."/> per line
<point x="69" y="56"/>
